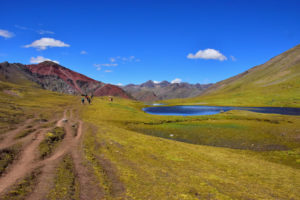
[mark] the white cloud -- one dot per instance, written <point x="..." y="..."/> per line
<point x="233" y="58"/>
<point x="98" y="66"/>
<point x="124" y="59"/>
<point x="115" y="61"/>
<point x="120" y="84"/>
<point x="22" y="27"/>
<point x="44" y="43"/>
<point x="42" y="32"/>
<point x="6" y="34"/>
<point x="40" y="59"/>
<point x="106" y="65"/>
<point x="205" y="81"/>
<point x="83" y="52"/>
<point x="176" y="80"/>
<point x="156" y="82"/>
<point x="109" y="65"/>
<point x="208" y="54"/>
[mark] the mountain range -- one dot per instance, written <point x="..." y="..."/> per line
<point x="274" y="83"/>
<point x="151" y="91"/>
<point x="54" y="77"/>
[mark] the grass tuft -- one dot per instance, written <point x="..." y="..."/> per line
<point x="24" y="133"/>
<point x="7" y="156"/>
<point x="52" y="139"/>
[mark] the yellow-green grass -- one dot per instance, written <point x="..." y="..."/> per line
<point x="21" y="102"/>
<point x="256" y="97"/>
<point x="7" y="156"/>
<point x="51" y="140"/>
<point x="23" y="188"/>
<point x="234" y="129"/>
<point x="156" y="168"/>
<point x="276" y="84"/>
<point x="150" y="167"/>
<point x="279" y="96"/>
<point x="24" y="133"/>
<point x="66" y="185"/>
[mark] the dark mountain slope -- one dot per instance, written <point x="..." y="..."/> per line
<point x="15" y="73"/>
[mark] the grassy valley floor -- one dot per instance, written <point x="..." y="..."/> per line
<point x="113" y="150"/>
<point x="261" y="160"/>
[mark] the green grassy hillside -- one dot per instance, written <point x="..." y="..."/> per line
<point x="147" y="167"/>
<point x="19" y="102"/>
<point x="275" y="83"/>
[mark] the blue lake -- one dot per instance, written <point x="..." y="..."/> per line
<point x="211" y="110"/>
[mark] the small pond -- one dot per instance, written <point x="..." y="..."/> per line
<point x="211" y="110"/>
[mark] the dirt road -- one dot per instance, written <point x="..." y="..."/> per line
<point x="30" y="160"/>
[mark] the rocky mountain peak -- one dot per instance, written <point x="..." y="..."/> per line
<point x="148" y="84"/>
<point x="150" y="91"/>
<point x="47" y="62"/>
<point x="164" y="83"/>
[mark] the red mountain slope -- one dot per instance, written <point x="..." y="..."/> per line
<point x="73" y="79"/>
<point x="55" y="77"/>
<point x="51" y="68"/>
<point x="111" y="90"/>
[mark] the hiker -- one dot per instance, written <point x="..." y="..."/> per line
<point x="82" y="100"/>
<point x="88" y="99"/>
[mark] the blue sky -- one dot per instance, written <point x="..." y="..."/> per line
<point x="134" y="41"/>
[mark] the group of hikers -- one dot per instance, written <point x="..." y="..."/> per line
<point x="87" y="97"/>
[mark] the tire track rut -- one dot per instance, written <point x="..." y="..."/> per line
<point x="29" y="161"/>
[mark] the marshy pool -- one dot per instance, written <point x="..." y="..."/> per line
<point x="211" y="110"/>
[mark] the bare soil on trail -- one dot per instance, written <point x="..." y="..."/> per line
<point x="29" y="159"/>
<point x="22" y="166"/>
<point x="8" y="137"/>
